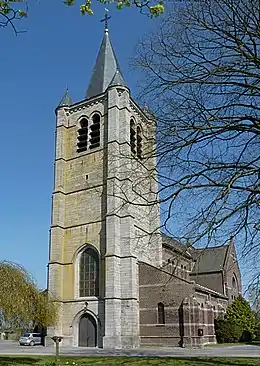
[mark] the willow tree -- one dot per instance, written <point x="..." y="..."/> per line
<point x="201" y="79"/>
<point x="22" y="303"/>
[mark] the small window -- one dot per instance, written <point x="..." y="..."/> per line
<point x="139" y="142"/>
<point x="234" y="283"/>
<point x="26" y="334"/>
<point x="95" y="132"/>
<point x="161" y="314"/>
<point x="132" y="137"/>
<point x="83" y="135"/>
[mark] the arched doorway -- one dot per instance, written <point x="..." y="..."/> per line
<point x="87" y="331"/>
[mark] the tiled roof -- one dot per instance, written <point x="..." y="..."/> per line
<point x="106" y="70"/>
<point x="210" y="259"/>
<point x="206" y="259"/>
<point x="66" y="100"/>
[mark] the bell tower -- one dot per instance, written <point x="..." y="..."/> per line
<point x="103" y="222"/>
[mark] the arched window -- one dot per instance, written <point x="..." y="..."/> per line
<point x="139" y="142"/>
<point x="95" y="132"/>
<point x="161" y="314"/>
<point x="202" y="314"/>
<point x="89" y="273"/>
<point x="234" y="283"/>
<point x="132" y="136"/>
<point x="83" y="135"/>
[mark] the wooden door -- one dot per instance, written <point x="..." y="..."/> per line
<point x="87" y="331"/>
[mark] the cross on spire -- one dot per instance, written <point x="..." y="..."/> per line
<point x="106" y="18"/>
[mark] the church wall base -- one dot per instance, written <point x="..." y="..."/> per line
<point x="147" y="341"/>
<point x="121" y="342"/>
<point x="49" y="342"/>
<point x="191" y="342"/>
<point x="67" y="341"/>
<point x="130" y="342"/>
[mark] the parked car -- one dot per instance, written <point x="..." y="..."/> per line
<point x="30" y="339"/>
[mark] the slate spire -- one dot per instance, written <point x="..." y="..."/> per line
<point x="105" y="70"/>
<point x="118" y="80"/>
<point x="66" y="100"/>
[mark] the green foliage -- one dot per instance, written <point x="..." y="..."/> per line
<point x="59" y="363"/>
<point x="128" y="361"/>
<point x="239" y="324"/>
<point x="240" y="313"/>
<point x="8" y="7"/>
<point x="227" y="332"/>
<point x="11" y="10"/>
<point x="257" y="332"/>
<point x="152" y="7"/>
<point x="22" y="304"/>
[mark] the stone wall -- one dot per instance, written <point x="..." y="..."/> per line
<point x="232" y="275"/>
<point x="96" y="201"/>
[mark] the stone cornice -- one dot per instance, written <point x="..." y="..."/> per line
<point x="85" y="104"/>
<point x="141" y="114"/>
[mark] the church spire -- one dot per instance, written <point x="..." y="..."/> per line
<point x="66" y="100"/>
<point x="106" y="67"/>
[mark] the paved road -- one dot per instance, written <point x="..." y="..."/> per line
<point x="12" y="348"/>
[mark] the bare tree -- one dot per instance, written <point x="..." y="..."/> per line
<point x="202" y="81"/>
<point x="253" y="294"/>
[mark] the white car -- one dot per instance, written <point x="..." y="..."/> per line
<point x="30" y="339"/>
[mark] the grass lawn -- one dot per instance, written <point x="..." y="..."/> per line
<point x="128" y="361"/>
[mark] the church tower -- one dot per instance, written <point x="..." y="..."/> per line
<point x="103" y="220"/>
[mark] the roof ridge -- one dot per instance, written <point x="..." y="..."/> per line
<point x="216" y="247"/>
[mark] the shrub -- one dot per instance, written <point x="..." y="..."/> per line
<point x="257" y="332"/>
<point x="227" y="332"/>
<point x="240" y="313"/>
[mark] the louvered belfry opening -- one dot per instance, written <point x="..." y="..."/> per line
<point x="132" y="136"/>
<point x="83" y="135"/>
<point x="95" y="132"/>
<point x="139" y="142"/>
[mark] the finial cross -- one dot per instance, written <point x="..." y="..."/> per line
<point x="106" y="18"/>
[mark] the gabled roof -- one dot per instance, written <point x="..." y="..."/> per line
<point x="171" y="243"/>
<point x="206" y="259"/>
<point x="118" y="80"/>
<point x="66" y="100"/>
<point x="105" y="70"/>
<point x="210" y="259"/>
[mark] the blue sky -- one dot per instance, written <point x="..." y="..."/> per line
<point x="57" y="50"/>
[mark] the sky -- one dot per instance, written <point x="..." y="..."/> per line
<point x="57" y="50"/>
